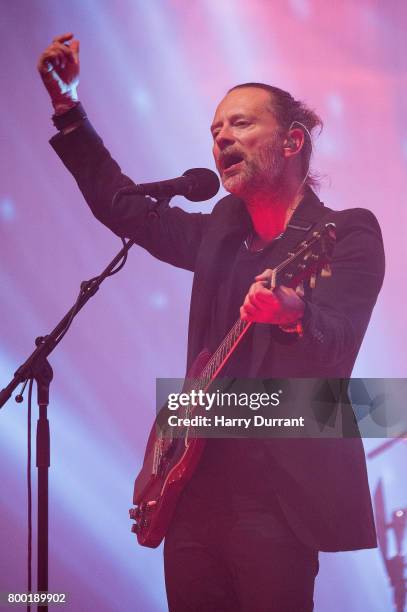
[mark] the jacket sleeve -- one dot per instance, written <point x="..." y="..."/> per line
<point x="338" y="311"/>
<point x="170" y="234"/>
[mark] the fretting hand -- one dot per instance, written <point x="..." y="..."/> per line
<point x="280" y="306"/>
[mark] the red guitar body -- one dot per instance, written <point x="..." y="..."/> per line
<point x="168" y="465"/>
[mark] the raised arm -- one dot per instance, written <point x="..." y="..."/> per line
<point x="170" y="234"/>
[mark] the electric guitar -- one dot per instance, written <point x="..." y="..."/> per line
<point x="170" y="460"/>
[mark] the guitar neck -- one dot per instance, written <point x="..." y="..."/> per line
<point x="310" y="260"/>
<point x="221" y="355"/>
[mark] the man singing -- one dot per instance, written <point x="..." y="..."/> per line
<point x="249" y="525"/>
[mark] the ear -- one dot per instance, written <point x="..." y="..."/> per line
<point x="294" y="142"/>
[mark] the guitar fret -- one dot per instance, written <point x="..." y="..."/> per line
<point x="222" y="353"/>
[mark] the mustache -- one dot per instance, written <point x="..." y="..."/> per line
<point x="229" y="156"/>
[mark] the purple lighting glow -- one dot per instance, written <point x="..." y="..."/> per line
<point x="151" y="76"/>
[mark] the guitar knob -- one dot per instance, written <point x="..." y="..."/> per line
<point x="135" y="528"/>
<point x="133" y="512"/>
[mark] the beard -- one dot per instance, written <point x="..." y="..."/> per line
<point x="263" y="173"/>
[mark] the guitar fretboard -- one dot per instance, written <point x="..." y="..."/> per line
<point x="220" y="356"/>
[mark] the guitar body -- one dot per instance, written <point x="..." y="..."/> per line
<point x="169" y="462"/>
<point x="167" y="467"/>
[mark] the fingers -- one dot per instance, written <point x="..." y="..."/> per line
<point x="58" y="54"/>
<point x="75" y="49"/>
<point x="282" y="305"/>
<point x="300" y="291"/>
<point x="266" y="275"/>
<point x="249" y="311"/>
<point x="258" y="303"/>
<point x="63" y="38"/>
<point x="47" y="61"/>
<point x="258" y="294"/>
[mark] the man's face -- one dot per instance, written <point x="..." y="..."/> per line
<point x="247" y="144"/>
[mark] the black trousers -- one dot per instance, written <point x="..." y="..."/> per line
<point x="243" y="560"/>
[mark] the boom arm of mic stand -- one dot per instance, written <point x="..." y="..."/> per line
<point x="46" y="344"/>
<point x="383" y="447"/>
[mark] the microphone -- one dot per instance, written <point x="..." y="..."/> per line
<point x="196" y="184"/>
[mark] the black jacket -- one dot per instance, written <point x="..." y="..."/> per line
<point x="321" y="484"/>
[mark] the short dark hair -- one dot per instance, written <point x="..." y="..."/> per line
<point x="287" y="110"/>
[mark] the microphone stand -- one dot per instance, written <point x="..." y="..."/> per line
<point x="38" y="368"/>
<point x="396" y="565"/>
<point x="386" y="445"/>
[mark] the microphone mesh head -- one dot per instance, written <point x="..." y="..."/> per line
<point x="204" y="185"/>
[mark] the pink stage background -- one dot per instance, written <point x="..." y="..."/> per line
<point x="152" y="73"/>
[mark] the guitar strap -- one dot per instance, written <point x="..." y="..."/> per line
<point x="311" y="216"/>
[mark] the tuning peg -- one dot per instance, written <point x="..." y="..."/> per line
<point x="313" y="280"/>
<point x="326" y="271"/>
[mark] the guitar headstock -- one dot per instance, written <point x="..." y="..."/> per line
<point x="311" y="259"/>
